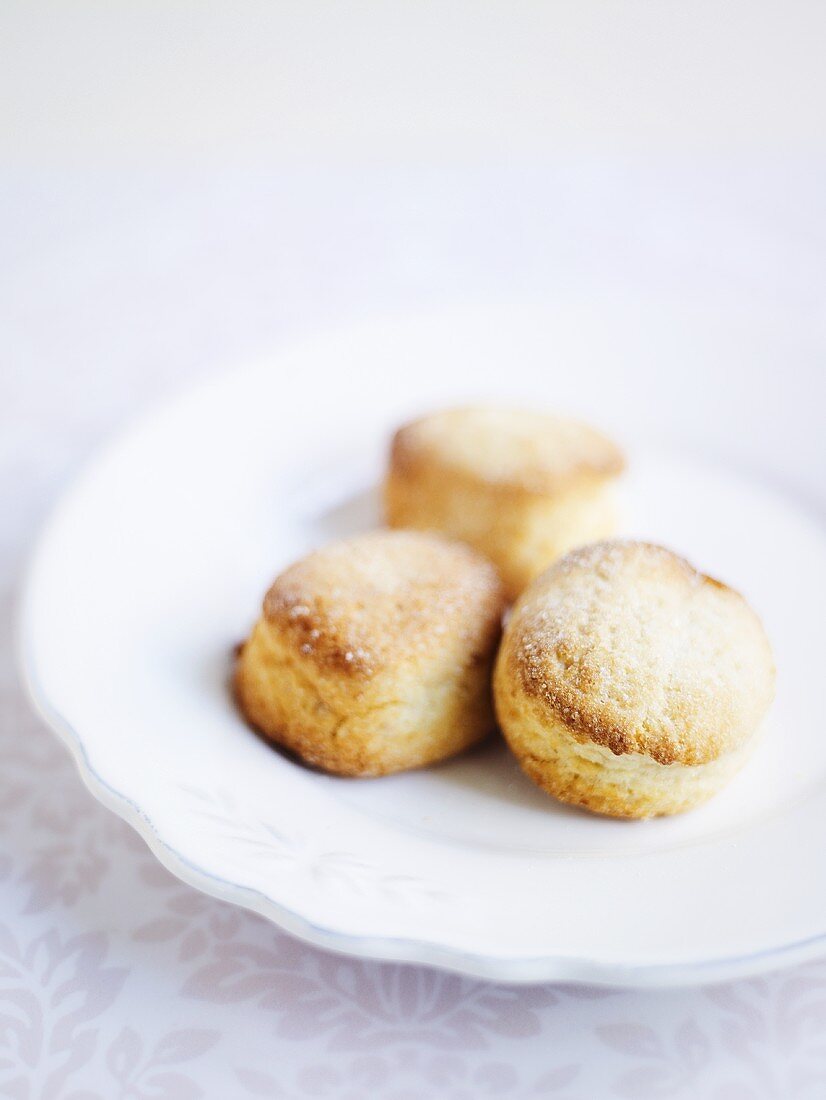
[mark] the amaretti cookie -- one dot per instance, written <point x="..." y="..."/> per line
<point x="631" y="684"/>
<point x="521" y="487"/>
<point x="375" y="654"/>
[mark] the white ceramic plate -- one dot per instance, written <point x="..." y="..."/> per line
<point x="154" y="566"/>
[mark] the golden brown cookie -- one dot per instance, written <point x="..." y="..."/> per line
<point x="521" y="487"/>
<point x="374" y="654"/>
<point x="631" y="684"/>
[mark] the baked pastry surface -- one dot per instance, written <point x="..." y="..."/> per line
<point x="630" y="683"/>
<point x="521" y="487"/>
<point x="375" y="654"/>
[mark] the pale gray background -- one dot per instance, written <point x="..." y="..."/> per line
<point x="187" y="185"/>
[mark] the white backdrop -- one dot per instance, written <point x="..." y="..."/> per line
<point x="184" y="189"/>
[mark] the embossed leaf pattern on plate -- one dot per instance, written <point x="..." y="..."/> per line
<point x="331" y="868"/>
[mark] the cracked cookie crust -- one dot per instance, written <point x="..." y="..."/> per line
<point x="374" y="655"/>
<point x="630" y="683"/>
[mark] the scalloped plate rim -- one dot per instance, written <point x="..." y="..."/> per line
<point x="550" y="968"/>
<point x="590" y="970"/>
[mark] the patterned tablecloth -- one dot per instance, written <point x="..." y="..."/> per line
<point x="115" y="979"/>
